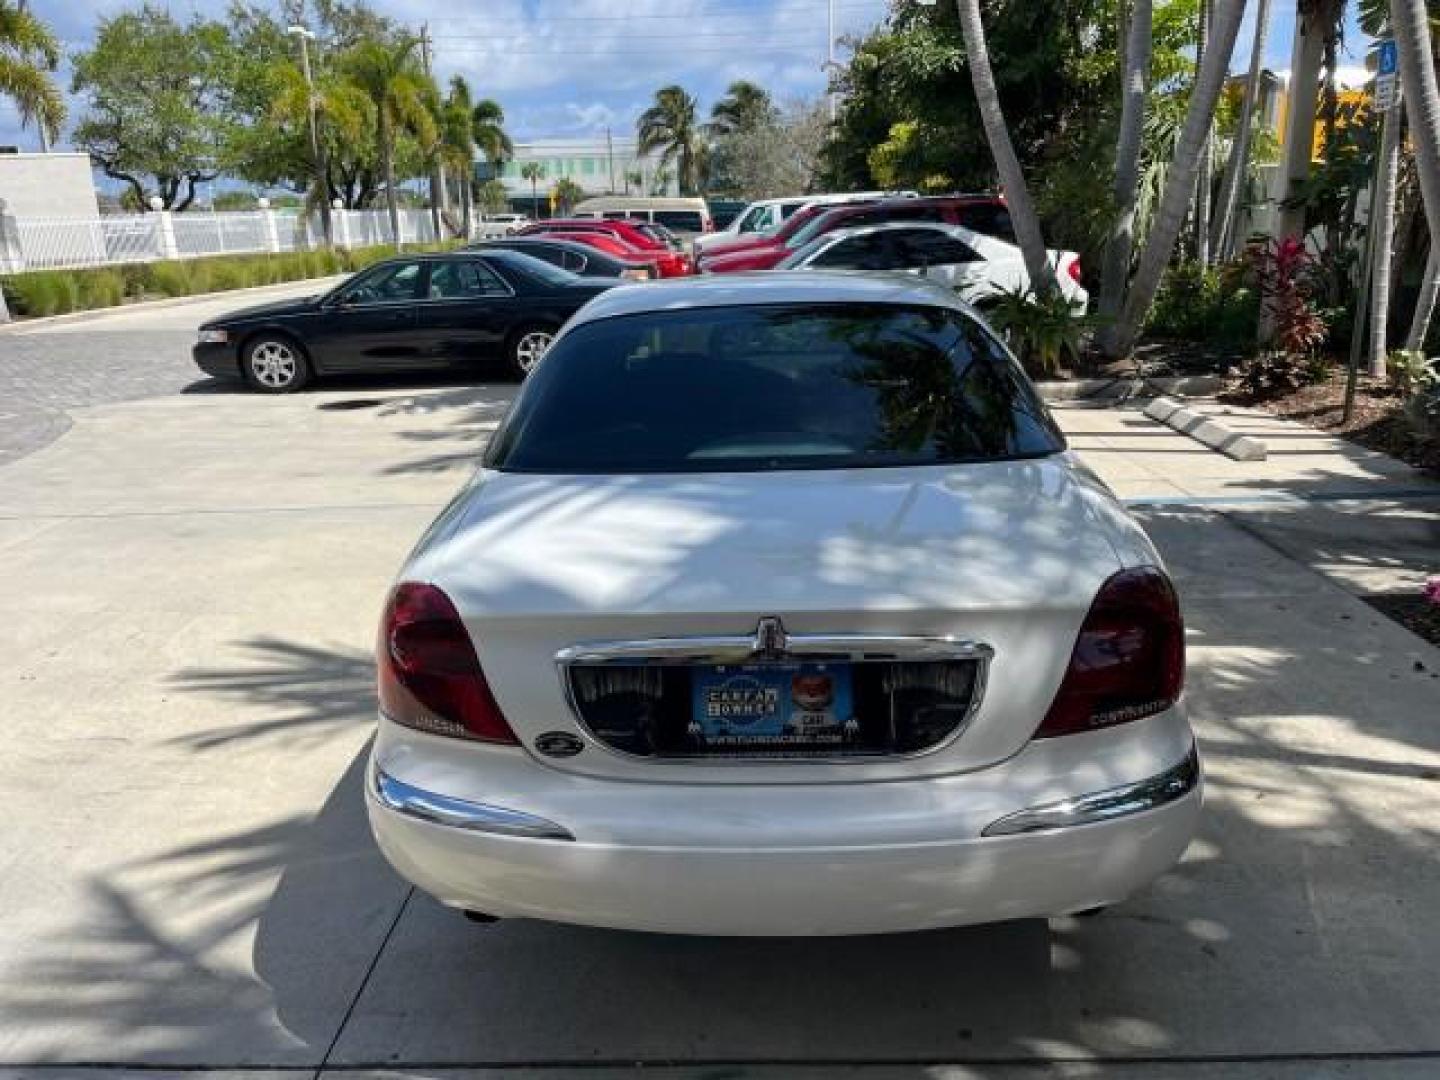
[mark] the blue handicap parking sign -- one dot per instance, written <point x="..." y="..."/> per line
<point x="1388" y="60"/>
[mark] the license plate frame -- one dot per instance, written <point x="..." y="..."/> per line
<point x="784" y="708"/>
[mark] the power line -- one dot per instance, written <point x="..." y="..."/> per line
<point x="875" y="6"/>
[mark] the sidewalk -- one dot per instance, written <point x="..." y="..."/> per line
<point x="1363" y="519"/>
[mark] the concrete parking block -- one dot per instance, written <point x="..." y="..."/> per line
<point x="1206" y="430"/>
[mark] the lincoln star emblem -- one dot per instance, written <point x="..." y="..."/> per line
<point x="770" y="638"/>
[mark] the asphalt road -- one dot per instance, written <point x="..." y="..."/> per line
<point x="188" y="591"/>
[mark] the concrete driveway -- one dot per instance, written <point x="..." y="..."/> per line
<point x="188" y="589"/>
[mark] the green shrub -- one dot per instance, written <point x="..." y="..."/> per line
<point x="1213" y="306"/>
<point x="99" y="289"/>
<point x="1274" y="374"/>
<point x="1410" y="372"/>
<point x="37" y="293"/>
<point x="168" y="279"/>
<point x="55" y="292"/>
<point x="1041" y="331"/>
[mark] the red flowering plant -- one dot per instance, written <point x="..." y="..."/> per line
<point x="1431" y="591"/>
<point x="1284" y="273"/>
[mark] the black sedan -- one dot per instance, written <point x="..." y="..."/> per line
<point x="569" y="255"/>
<point x="403" y="314"/>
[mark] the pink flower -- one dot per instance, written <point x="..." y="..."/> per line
<point x="1431" y="591"/>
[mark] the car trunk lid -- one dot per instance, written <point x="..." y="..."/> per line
<point x="1006" y="556"/>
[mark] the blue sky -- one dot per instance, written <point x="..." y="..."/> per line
<point x="571" y="67"/>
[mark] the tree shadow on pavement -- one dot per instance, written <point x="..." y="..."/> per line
<point x="1300" y="922"/>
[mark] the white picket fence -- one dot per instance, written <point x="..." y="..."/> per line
<point x="115" y="239"/>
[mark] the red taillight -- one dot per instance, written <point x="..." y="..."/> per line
<point x="429" y="675"/>
<point x="1129" y="658"/>
<point x="1074" y="271"/>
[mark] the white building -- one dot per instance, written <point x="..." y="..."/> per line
<point x="600" y="166"/>
<point x="40" y="186"/>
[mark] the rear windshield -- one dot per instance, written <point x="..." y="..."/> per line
<point x="773" y="387"/>
<point x="529" y="265"/>
<point x="684" y="220"/>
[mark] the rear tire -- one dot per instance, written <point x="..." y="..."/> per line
<point x="274" y="364"/>
<point x="525" y="348"/>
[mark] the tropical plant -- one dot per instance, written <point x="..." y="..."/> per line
<point x="1237" y="169"/>
<point x="1179" y="188"/>
<point x="1411" y="371"/>
<point x="493" y="197"/>
<point x="457" y="145"/>
<point x="670" y="126"/>
<point x="1120" y="242"/>
<point x="1273" y="373"/>
<point x="389" y="74"/>
<point x="1410" y="22"/>
<point x="634" y="178"/>
<point x="1284" y="273"/>
<point x="534" y="172"/>
<point x="29" y="55"/>
<point x="744" y="107"/>
<point x="487" y="121"/>
<point x="1216" y="307"/>
<point x="1042" y="330"/>
<point x="566" y="194"/>
<point x="1007" y="164"/>
<point x="1316" y="29"/>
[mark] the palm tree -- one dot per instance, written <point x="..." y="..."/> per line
<point x="669" y="126"/>
<point x="635" y="177"/>
<point x="1410" y="22"/>
<point x="744" y="107"/>
<point x="1203" y="182"/>
<point x="1237" y="169"/>
<point x="29" y="54"/>
<point x="534" y="172"/>
<point x="457" y="140"/>
<point x="487" y="121"/>
<point x="390" y="76"/>
<point x="1012" y="179"/>
<point x="1316" y="23"/>
<point x="565" y="194"/>
<point x="1120" y="243"/>
<point x="1180" y="183"/>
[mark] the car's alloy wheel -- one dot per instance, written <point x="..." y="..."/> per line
<point x="529" y="348"/>
<point x="275" y="366"/>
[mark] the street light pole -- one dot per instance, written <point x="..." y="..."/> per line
<point x="317" y="145"/>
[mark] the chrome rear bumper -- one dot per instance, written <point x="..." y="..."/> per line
<point x="1106" y="805"/>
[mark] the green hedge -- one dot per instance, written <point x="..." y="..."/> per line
<point x="55" y="292"/>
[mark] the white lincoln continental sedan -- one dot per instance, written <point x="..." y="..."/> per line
<point x="779" y="607"/>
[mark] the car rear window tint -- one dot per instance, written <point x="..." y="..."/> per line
<point x="773" y="387"/>
<point x="685" y="220"/>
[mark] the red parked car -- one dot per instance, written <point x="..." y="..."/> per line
<point x="754" y="241"/>
<point x="637" y="234"/>
<point x="985" y="214"/>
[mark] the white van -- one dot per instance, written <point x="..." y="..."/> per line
<point x="686" y="217"/>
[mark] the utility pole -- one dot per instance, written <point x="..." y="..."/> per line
<point x="439" y="200"/>
<point x="318" y="156"/>
<point x="610" y="151"/>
